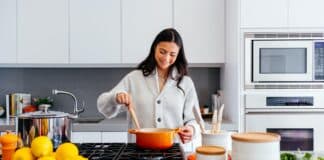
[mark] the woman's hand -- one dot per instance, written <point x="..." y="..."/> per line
<point x="186" y="133"/>
<point x="123" y="98"/>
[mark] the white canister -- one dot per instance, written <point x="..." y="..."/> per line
<point x="255" y="146"/>
<point x="223" y="139"/>
<point x="210" y="153"/>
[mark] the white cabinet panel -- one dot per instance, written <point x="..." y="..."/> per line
<point x="8" y="31"/>
<point x="114" y="137"/>
<point x="95" y="29"/>
<point x="264" y="13"/>
<point x="86" y="137"/>
<point x="306" y="13"/>
<point x="201" y="24"/>
<point x="142" y="20"/>
<point x="42" y="31"/>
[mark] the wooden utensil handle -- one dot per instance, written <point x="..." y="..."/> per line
<point x="134" y="117"/>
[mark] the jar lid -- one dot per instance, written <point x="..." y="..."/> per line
<point x="8" y="138"/>
<point x="210" y="150"/>
<point x="256" y="137"/>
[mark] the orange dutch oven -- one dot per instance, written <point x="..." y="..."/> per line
<point x="154" y="138"/>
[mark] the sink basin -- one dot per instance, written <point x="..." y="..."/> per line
<point x="88" y="119"/>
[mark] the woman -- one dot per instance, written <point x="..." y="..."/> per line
<point x="160" y="90"/>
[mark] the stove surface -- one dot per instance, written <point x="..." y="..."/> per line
<point x="122" y="151"/>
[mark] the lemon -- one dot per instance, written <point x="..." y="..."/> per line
<point x="41" y="146"/>
<point x="79" y="157"/>
<point x="46" y="158"/>
<point x="66" y="151"/>
<point x="23" y="154"/>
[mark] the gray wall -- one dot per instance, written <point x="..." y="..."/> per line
<point x="86" y="84"/>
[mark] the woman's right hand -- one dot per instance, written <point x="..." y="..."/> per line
<point x="123" y="98"/>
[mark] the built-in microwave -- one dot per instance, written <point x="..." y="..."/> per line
<point x="276" y="60"/>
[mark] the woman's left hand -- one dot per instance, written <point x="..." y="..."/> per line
<point x="186" y="133"/>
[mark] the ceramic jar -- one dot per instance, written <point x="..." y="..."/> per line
<point x="223" y="139"/>
<point x="255" y="146"/>
<point x="9" y="145"/>
<point x="210" y="153"/>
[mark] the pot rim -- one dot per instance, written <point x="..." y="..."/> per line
<point x="40" y="115"/>
<point x="153" y="130"/>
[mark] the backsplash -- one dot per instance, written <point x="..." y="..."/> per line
<point x="87" y="84"/>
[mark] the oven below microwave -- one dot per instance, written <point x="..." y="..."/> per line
<point x="302" y="131"/>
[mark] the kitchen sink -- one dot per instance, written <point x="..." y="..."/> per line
<point x="88" y="119"/>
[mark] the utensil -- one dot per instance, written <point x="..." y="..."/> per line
<point x="154" y="138"/>
<point x="214" y="121"/>
<point x="217" y="120"/>
<point x="199" y="120"/>
<point x="133" y="115"/>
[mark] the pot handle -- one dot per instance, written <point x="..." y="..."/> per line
<point x="132" y="131"/>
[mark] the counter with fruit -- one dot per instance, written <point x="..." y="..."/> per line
<point x="42" y="149"/>
<point x="298" y="155"/>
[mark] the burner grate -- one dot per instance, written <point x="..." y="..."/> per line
<point x="131" y="151"/>
<point x="121" y="151"/>
<point x="100" y="151"/>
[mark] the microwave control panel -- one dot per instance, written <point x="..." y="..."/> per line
<point x="319" y="60"/>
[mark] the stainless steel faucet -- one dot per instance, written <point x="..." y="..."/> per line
<point x="76" y="111"/>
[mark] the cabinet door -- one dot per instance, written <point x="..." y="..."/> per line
<point x="114" y="137"/>
<point x="142" y="20"/>
<point x="8" y="31"/>
<point x="306" y="13"/>
<point x="201" y="25"/>
<point x="264" y="13"/>
<point x="42" y="31"/>
<point x="95" y="31"/>
<point x="86" y="137"/>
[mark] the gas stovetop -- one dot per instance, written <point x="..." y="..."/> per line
<point x="122" y="151"/>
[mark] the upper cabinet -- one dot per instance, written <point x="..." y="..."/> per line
<point x="142" y="20"/>
<point x="264" y="13"/>
<point x="95" y="29"/>
<point x="281" y="13"/>
<point x="42" y="34"/>
<point x="107" y="31"/>
<point x="8" y="31"/>
<point x="201" y="25"/>
<point x="306" y="13"/>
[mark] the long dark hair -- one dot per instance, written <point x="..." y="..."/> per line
<point x="167" y="35"/>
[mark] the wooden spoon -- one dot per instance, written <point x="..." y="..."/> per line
<point x="133" y="115"/>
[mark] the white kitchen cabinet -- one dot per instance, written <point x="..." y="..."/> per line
<point x="8" y="31"/>
<point x="86" y="137"/>
<point x="142" y="20"/>
<point x="201" y="25"/>
<point x="42" y="31"/>
<point x="95" y="29"/>
<point x="264" y="13"/>
<point x="306" y="13"/>
<point x="281" y="13"/>
<point x="114" y="137"/>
